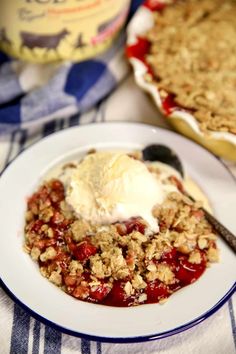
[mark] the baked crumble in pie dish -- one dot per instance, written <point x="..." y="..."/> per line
<point x="183" y="54"/>
<point x="123" y="263"/>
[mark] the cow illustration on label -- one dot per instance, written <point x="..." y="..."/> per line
<point x="44" y="31"/>
<point x="79" y="43"/>
<point x="44" y="41"/>
<point x="3" y="37"/>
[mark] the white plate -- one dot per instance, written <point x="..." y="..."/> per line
<point x="48" y="303"/>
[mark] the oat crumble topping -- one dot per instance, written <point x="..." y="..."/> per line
<point x="193" y="57"/>
<point x="119" y="264"/>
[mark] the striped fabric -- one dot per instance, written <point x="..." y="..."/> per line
<point x="33" y="94"/>
<point x="22" y="334"/>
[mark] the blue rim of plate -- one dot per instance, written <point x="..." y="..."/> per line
<point x="137" y="339"/>
<point x="147" y="338"/>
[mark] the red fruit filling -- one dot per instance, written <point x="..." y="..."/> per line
<point x="70" y="261"/>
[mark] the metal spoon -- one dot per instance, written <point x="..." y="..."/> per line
<point x="162" y="153"/>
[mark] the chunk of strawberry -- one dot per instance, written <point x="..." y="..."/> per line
<point x="57" y="218"/>
<point x="198" y="214"/>
<point x="57" y="185"/>
<point x="121" y="229"/>
<point x="100" y="293"/>
<point x="44" y="242"/>
<point x="155" y="291"/>
<point x="36" y="226"/>
<point x="169" y="256"/>
<point x="155" y="5"/>
<point x="134" y="224"/>
<point x="187" y="272"/>
<point x="57" y="192"/>
<point x="84" y="250"/>
<point x="63" y="260"/>
<point x="117" y="296"/>
<point x="42" y="194"/>
<point x="130" y="259"/>
<point x="70" y="280"/>
<point x="81" y="292"/>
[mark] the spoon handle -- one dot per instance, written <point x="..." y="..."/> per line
<point x="222" y="230"/>
<point x="229" y="238"/>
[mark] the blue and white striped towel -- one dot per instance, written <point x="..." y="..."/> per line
<point x="33" y="94"/>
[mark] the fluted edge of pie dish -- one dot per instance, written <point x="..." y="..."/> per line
<point x="222" y="144"/>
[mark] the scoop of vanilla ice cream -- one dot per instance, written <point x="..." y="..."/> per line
<point x="108" y="187"/>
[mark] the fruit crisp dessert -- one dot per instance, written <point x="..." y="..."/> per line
<point x="192" y="56"/>
<point x="116" y="230"/>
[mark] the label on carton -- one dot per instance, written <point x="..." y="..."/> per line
<point x="53" y="30"/>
